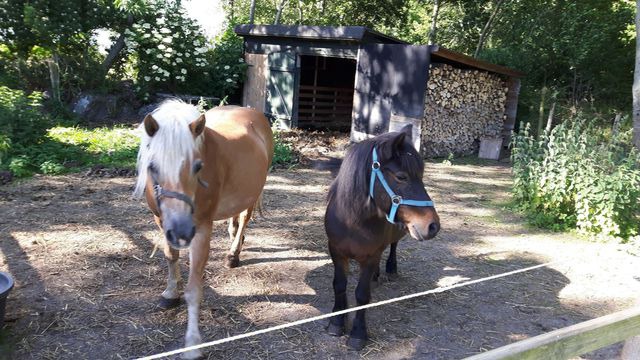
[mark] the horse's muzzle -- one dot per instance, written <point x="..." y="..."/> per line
<point x="179" y="231"/>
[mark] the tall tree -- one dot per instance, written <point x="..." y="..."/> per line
<point x="636" y="83"/>
<point x="487" y="28"/>
<point x="434" y="22"/>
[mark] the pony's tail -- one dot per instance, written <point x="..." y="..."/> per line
<point x="258" y="207"/>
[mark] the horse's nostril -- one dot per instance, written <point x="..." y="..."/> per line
<point x="433" y="229"/>
<point x="171" y="236"/>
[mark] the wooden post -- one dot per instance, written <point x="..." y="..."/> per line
<point x="572" y="340"/>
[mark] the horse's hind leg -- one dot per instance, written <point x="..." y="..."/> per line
<point x="237" y="225"/>
<point x="358" y="336"/>
<point x="340" y="267"/>
<point x="198" y="256"/>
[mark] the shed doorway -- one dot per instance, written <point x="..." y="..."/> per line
<point x="325" y="99"/>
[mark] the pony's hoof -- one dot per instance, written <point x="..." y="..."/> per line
<point x="232" y="262"/>
<point x="393" y="276"/>
<point x="356" y="343"/>
<point x="192" y="355"/>
<point x="335" y="330"/>
<point x="167" y="304"/>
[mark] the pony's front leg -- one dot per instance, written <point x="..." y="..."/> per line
<point x="392" y="263"/>
<point x="170" y="296"/>
<point x="340" y="268"/>
<point x="198" y="256"/>
<point x="237" y="225"/>
<point x="358" y="336"/>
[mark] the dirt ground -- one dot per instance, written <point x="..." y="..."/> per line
<point x="86" y="287"/>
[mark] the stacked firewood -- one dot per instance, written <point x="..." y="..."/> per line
<point x="461" y="107"/>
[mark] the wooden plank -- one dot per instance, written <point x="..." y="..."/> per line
<point x="572" y="340"/>
<point x="322" y="96"/>
<point x="325" y="104"/>
<point x="326" y="111"/>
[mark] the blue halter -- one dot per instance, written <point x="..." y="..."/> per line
<point x="396" y="200"/>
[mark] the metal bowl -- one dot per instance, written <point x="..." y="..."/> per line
<point x="6" y="284"/>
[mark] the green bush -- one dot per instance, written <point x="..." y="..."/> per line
<point x="22" y="124"/>
<point x="574" y="177"/>
<point x="283" y="153"/>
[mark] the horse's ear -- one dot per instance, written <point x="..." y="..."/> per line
<point x="150" y="125"/>
<point x="404" y="134"/>
<point x="197" y="126"/>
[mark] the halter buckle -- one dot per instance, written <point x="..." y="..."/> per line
<point x="157" y="190"/>
<point x="375" y="165"/>
<point x="396" y="199"/>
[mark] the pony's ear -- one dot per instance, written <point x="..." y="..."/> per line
<point x="197" y="126"/>
<point x="150" y="125"/>
<point x="402" y="136"/>
<point x="408" y="131"/>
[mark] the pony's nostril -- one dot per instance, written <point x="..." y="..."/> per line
<point x="171" y="236"/>
<point x="433" y="229"/>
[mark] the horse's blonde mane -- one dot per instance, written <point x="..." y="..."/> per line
<point x="170" y="146"/>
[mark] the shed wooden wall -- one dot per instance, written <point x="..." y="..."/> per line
<point x="254" y="91"/>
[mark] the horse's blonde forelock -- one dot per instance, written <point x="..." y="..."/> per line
<point x="170" y="146"/>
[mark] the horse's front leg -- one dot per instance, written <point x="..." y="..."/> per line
<point x="358" y="336"/>
<point x="340" y="269"/>
<point x="237" y="226"/>
<point x="392" y="263"/>
<point x="170" y="296"/>
<point x="198" y="256"/>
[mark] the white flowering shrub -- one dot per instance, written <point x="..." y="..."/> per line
<point x="171" y="54"/>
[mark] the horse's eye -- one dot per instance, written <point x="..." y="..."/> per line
<point x="401" y="176"/>
<point x="197" y="166"/>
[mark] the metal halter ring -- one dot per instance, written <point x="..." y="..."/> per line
<point x="375" y="165"/>
<point x="396" y="199"/>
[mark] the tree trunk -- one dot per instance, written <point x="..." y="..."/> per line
<point x="434" y="22"/>
<point x="116" y="48"/>
<point x="54" y="76"/>
<point x="636" y="83"/>
<point x="299" y="12"/>
<point x="252" y="11"/>
<point x="279" y="12"/>
<point x="487" y="28"/>
<point x="550" y="118"/>
<point x="543" y="94"/>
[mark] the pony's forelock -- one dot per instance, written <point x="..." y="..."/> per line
<point x="170" y="146"/>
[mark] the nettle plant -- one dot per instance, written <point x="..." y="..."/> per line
<point x="170" y="53"/>
<point x="574" y="177"/>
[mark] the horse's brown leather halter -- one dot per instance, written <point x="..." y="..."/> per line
<point x="159" y="192"/>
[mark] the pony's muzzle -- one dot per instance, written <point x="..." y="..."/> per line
<point x="179" y="231"/>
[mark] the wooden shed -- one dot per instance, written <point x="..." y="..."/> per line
<point x="354" y="78"/>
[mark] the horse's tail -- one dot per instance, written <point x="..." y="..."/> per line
<point x="258" y="207"/>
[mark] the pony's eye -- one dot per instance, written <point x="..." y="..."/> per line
<point x="197" y="166"/>
<point x="401" y="176"/>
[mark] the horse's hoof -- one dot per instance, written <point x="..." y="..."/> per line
<point x="192" y="355"/>
<point x="356" y="343"/>
<point x="335" y="330"/>
<point x="393" y="276"/>
<point x="232" y="262"/>
<point x="167" y="304"/>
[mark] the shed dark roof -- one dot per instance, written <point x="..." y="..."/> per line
<point x="335" y="33"/>
<point x="361" y="34"/>
<point x="439" y="53"/>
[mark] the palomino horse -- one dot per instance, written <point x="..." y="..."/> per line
<point x="195" y="169"/>
<point x="376" y="199"/>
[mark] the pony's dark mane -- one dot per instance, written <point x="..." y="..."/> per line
<point x="350" y="189"/>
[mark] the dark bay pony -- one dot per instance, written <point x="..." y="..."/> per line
<point x="376" y="199"/>
<point x="194" y="169"/>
